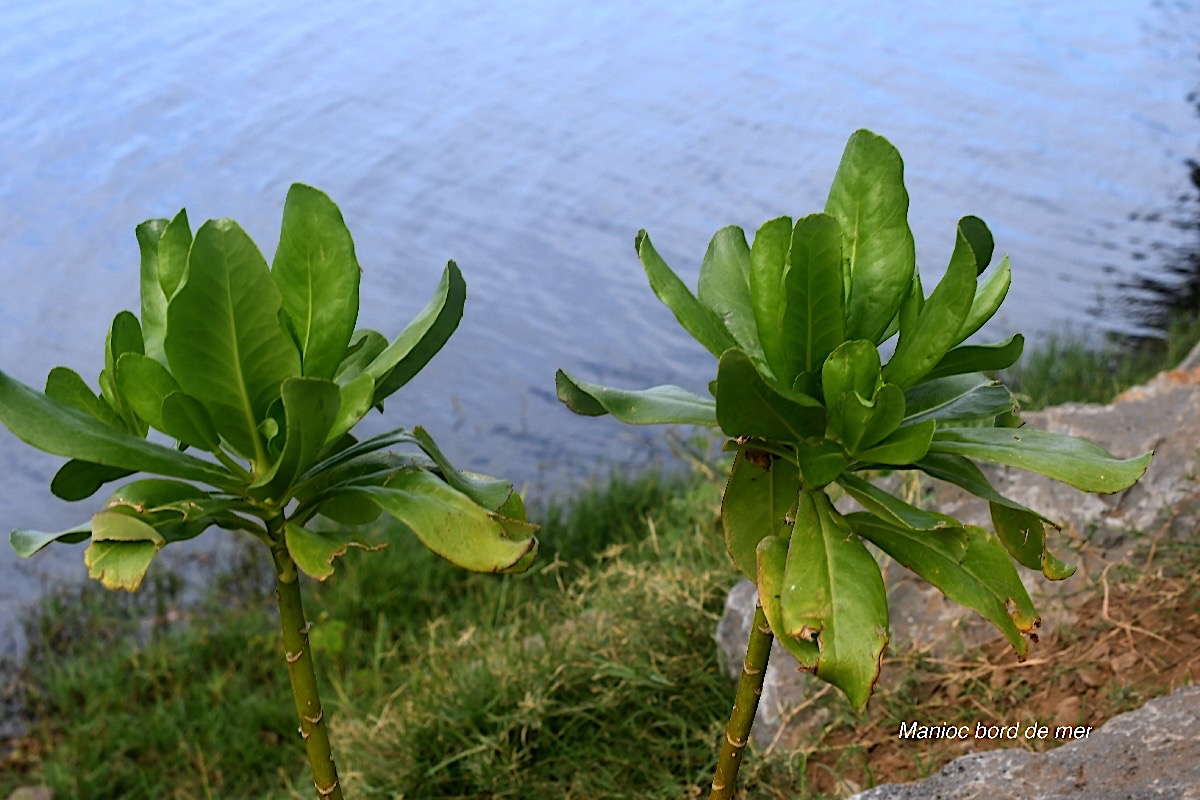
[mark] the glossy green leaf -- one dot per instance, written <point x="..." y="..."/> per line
<point x="27" y="542"/>
<point x="658" y="405"/>
<point x="980" y="238"/>
<point x="356" y="399"/>
<point x="864" y="424"/>
<point x="821" y="462"/>
<point x="724" y="287"/>
<point x="173" y="250"/>
<point x="748" y="406"/>
<point x="1024" y="535"/>
<point x="768" y="264"/>
<point x="318" y="276"/>
<point x="936" y="328"/>
<point x="814" y="319"/>
<point x="186" y="418"/>
<point x="350" y="510"/>
<point x="125" y="336"/>
<point x="967" y="564"/>
<point x="310" y="408"/>
<point x="421" y="340"/>
<point x="1078" y="462"/>
<point x="888" y="507"/>
<point x="77" y="479"/>
<point x="870" y="203"/>
<point x="154" y="301"/>
<point x="957" y="397"/>
<point x="490" y="493"/>
<point x="145" y="384"/>
<point x="448" y="522"/>
<point x="365" y="347"/>
<point x="314" y="551"/>
<point x="910" y="308"/>
<point x="978" y="358"/>
<point x="58" y="429"/>
<point x="989" y="294"/>
<point x="225" y="343"/>
<point x="758" y="499"/>
<point x="963" y="472"/>
<point x="697" y="320"/>
<point x="833" y="592"/>
<point x="906" y="446"/>
<point x="852" y="367"/>
<point x="65" y="386"/>
<point x="772" y="559"/>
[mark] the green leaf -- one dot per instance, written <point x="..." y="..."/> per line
<point x="724" y="287"/>
<point x="1078" y="462"/>
<point x="121" y="550"/>
<point x="154" y="302"/>
<point x="814" y="319"/>
<point x="748" y="406"/>
<point x="906" y="446"/>
<point x="225" y="342"/>
<point x="365" y="347"/>
<point x="768" y="263"/>
<point x="833" y="592"/>
<point x="145" y="384"/>
<point x="65" y="386"/>
<point x="114" y="526"/>
<point x="864" y="424"/>
<point x="963" y="472"/>
<point x="448" y="522"/>
<point x="490" y="493"/>
<point x="1024" y="535"/>
<point x="958" y="397"/>
<point x="356" y="399"/>
<point x="989" y="294"/>
<point x="27" y="542"/>
<point x="772" y="559"/>
<point x="697" y="320"/>
<point x="310" y="408"/>
<point x="853" y="367"/>
<point x="77" y="479"/>
<point x="966" y="563"/>
<point x="979" y="358"/>
<point x="173" y="250"/>
<point x="55" y="428"/>
<point x="658" y="405"/>
<point x="937" y="326"/>
<point x="910" y="308"/>
<point x="980" y="238"/>
<point x="318" y="276"/>
<point x="350" y="510"/>
<point x="821" y="461"/>
<point x="891" y="508"/>
<point x="758" y="499"/>
<point x="186" y="418"/>
<point x="314" y="551"/>
<point x="870" y="203"/>
<point x="423" y="338"/>
<point x="125" y="336"/>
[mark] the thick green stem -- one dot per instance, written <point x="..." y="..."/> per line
<point x="301" y="672"/>
<point x="745" y="705"/>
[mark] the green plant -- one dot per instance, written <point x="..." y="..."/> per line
<point x="262" y="369"/>
<point x="797" y="321"/>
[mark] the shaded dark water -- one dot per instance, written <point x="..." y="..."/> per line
<point x="530" y="143"/>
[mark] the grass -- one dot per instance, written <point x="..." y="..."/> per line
<point x="594" y="676"/>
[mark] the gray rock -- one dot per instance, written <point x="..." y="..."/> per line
<point x="1151" y="752"/>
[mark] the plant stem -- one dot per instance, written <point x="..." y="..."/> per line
<point x="300" y="670"/>
<point x="745" y="705"/>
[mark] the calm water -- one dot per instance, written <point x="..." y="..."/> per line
<point x="531" y="143"/>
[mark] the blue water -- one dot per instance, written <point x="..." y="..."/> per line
<point x="529" y="142"/>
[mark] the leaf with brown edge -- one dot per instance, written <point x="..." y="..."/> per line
<point x="314" y="551"/>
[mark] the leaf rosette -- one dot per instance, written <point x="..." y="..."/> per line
<point x="258" y="374"/>
<point x="833" y="366"/>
